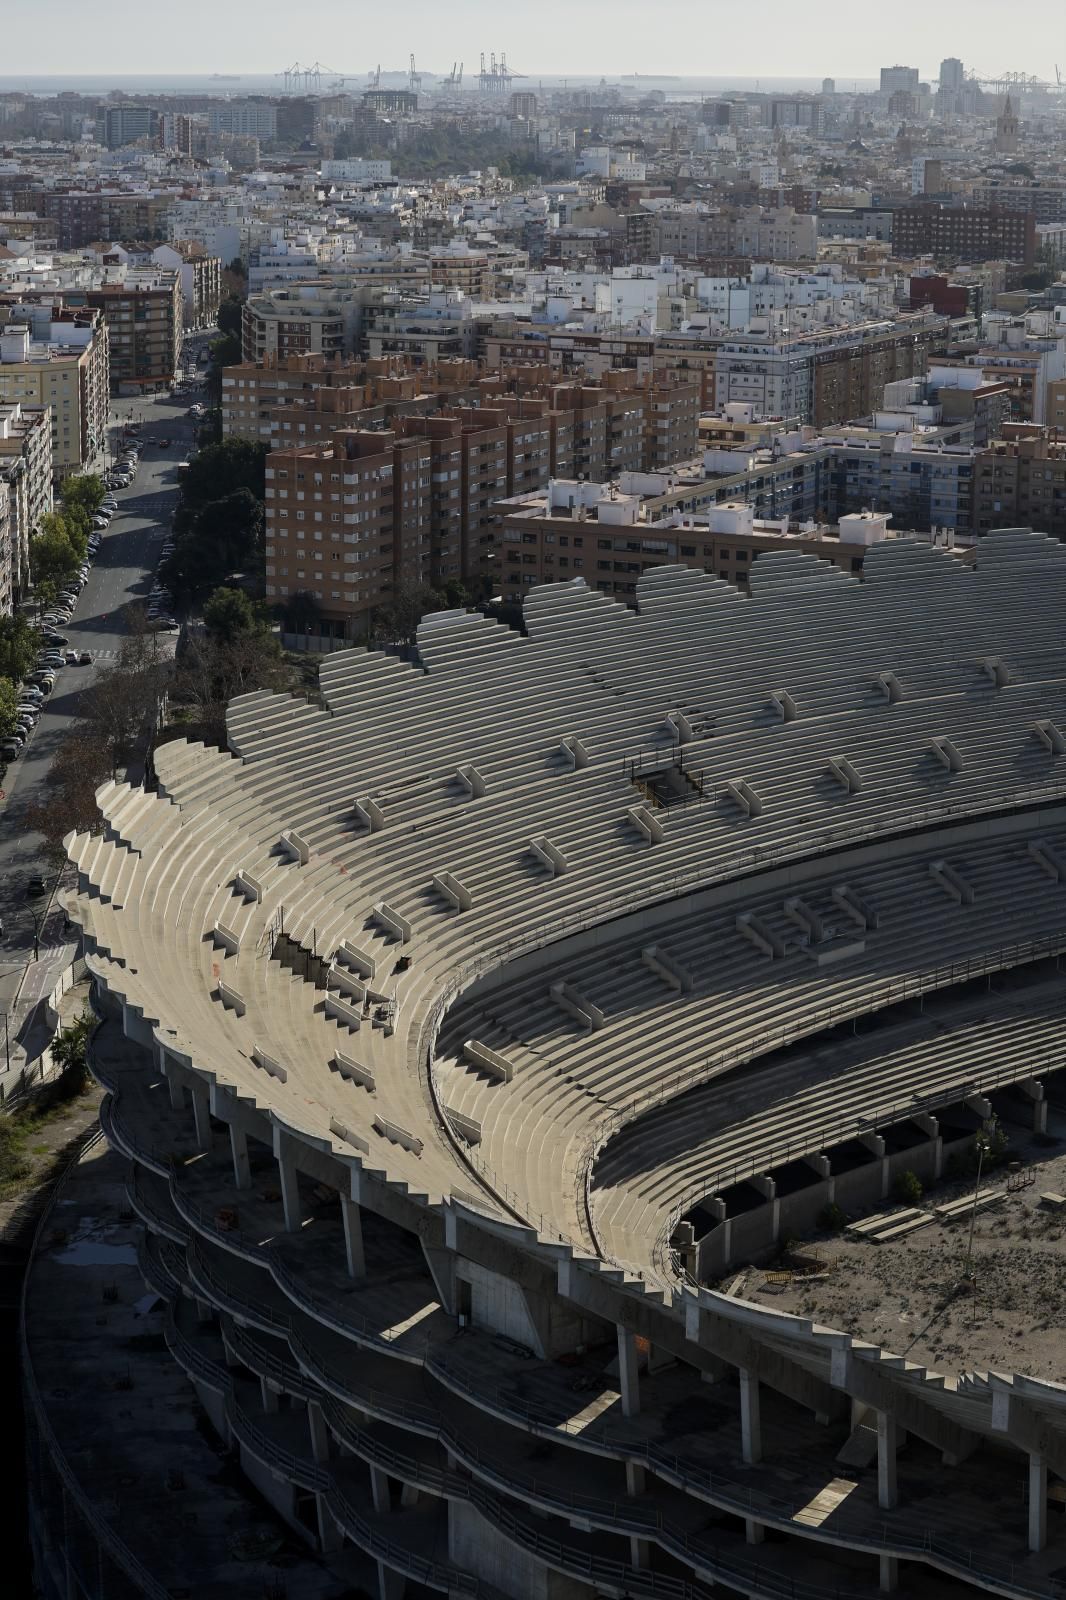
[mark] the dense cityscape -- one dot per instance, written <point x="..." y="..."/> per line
<point x="533" y="833"/>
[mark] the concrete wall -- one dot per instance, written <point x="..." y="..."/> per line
<point x="475" y="1545"/>
<point x="497" y="1303"/>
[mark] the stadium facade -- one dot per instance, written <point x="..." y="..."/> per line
<point x="461" y="1030"/>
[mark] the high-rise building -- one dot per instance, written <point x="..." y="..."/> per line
<point x="118" y="125"/>
<point x="896" y="80"/>
<point x="952" y="75"/>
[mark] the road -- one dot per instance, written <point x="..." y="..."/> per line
<point x="121" y="573"/>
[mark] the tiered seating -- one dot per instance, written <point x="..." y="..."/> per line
<point x="419" y="791"/>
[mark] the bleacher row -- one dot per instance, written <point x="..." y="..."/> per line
<point x="357" y="830"/>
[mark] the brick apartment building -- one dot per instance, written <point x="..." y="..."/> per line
<point x="143" y="311"/>
<point x="964" y="233"/>
<point x="1020" y="481"/>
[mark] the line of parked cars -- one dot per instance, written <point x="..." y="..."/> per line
<point x="124" y="470"/>
<point x="160" y="599"/>
<point x="55" y="653"/>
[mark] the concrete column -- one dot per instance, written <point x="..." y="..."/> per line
<point x="391" y="1585"/>
<point x="768" y="1189"/>
<point x="320" y="1434"/>
<point x="329" y="1535"/>
<point x="269" y="1396"/>
<point x="408" y="1494"/>
<point x="628" y="1380"/>
<point x="379" y="1489"/>
<point x="639" y="1553"/>
<point x="353" y="1237"/>
<point x="290" y="1190"/>
<point x="1037" y="1501"/>
<point x="889" y="1574"/>
<point x="238" y="1143"/>
<point x="201" y="1110"/>
<point x="754" y="1531"/>
<point x="887" y="1443"/>
<point x="750" y="1421"/>
<point x="876" y="1145"/>
<point x="175" y="1091"/>
<point x="636" y="1478"/>
<point x="931" y="1126"/>
<point x="205" y="1312"/>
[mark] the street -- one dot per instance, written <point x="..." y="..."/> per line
<point x="121" y="573"/>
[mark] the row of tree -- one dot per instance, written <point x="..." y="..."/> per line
<point x="218" y="525"/>
<point x="62" y="542"/>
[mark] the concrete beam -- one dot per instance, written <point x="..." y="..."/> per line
<point x="866" y="1383"/>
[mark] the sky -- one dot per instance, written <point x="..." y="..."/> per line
<point x="703" y="38"/>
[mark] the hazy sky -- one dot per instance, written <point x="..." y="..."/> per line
<point x="773" y="38"/>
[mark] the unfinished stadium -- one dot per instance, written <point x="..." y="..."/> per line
<point x="459" y="1033"/>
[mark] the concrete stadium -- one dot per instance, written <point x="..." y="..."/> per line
<point x="463" y="1031"/>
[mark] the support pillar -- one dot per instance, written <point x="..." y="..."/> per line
<point x="889" y="1574"/>
<point x="750" y="1421"/>
<point x="887" y="1444"/>
<point x="391" y="1585"/>
<point x="201" y="1110"/>
<point x="269" y="1396"/>
<point x="379" y="1490"/>
<point x="1037" y="1501"/>
<point x="639" y="1553"/>
<point x="175" y="1091"/>
<point x="320" y="1434"/>
<point x="238" y="1143"/>
<point x="290" y="1189"/>
<point x="754" y="1531"/>
<point x="628" y="1379"/>
<point x="353" y="1237"/>
<point x="408" y="1494"/>
<point x="636" y="1478"/>
<point x="330" y="1537"/>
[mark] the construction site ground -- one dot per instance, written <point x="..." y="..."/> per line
<point x="910" y="1294"/>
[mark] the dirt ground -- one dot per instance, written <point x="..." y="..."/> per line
<point x="909" y="1295"/>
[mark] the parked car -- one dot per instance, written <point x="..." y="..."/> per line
<point x="71" y="658"/>
<point x="37" y="886"/>
<point x="10" y="749"/>
<point x="56" y="638"/>
<point x="85" y="659"/>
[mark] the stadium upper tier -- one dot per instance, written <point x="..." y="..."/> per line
<point x="464" y="922"/>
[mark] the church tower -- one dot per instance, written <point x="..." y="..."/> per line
<point x="1006" y="130"/>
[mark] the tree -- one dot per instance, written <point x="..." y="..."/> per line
<point x="53" y="557"/>
<point x="70" y="1050"/>
<point x="19" y="643"/>
<point x="81" y="765"/>
<point x="229" y="318"/>
<point x="221" y="469"/>
<point x="230" y="613"/>
<point x="85" y="490"/>
<point x="8" y="703"/>
<point x="222" y="537"/>
<point x="225" y="352"/>
<point x="211" y="671"/>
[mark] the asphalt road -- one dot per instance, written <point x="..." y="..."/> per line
<point x="121" y="573"/>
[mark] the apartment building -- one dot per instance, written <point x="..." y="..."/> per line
<point x="26" y="470"/>
<point x="1020" y="481"/>
<point x="315" y="318"/>
<point x="201" y="281"/>
<point x="964" y="233"/>
<point x="348" y="524"/>
<point x="57" y="358"/>
<point x="611" y="534"/>
<point x="118" y="125"/>
<point x="143" y="310"/>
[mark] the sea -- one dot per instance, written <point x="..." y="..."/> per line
<point x="241" y="84"/>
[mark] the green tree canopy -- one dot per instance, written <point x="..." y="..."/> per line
<point x="84" y="490"/>
<point x="229" y="317"/>
<point x="53" y="555"/>
<point x="222" y="537"/>
<point x="229" y="614"/>
<point x="8" y="703"/>
<point x="19" y="643"/>
<point x="220" y="469"/>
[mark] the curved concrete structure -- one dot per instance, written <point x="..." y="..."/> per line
<point x="440" y="1024"/>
